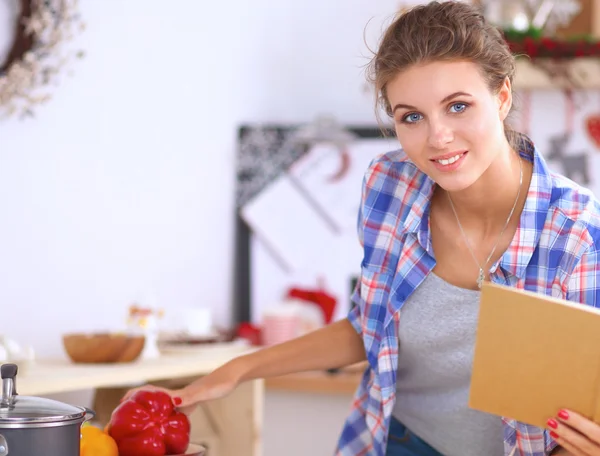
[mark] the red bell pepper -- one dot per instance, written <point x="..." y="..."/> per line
<point x="148" y="424"/>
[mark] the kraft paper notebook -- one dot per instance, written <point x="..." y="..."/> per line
<point x="535" y="355"/>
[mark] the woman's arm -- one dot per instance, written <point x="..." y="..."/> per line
<point x="336" y="345"/>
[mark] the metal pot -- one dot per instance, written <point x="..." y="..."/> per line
<point x="31" y="426"/>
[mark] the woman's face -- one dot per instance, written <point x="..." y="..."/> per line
<point x="448" y="122"/>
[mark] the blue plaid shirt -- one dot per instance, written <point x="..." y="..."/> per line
<point x="553" y="253"/>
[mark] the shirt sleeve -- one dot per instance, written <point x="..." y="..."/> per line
<point x="354" y="315"/>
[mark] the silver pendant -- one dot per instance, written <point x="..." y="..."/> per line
<point x="480" y="278"/>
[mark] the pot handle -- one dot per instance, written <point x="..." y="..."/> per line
<point x="3" y="446"/>
<point x="89" y="414"/>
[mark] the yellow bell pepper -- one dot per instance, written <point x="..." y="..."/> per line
<point x="96" y="442"/>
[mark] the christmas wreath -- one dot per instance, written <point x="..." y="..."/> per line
<point x="534" y="44"/>
<point x="36" y="57"/>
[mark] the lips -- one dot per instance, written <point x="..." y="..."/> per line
<point x="449" y="162"/>
<point x="449" y="156"/>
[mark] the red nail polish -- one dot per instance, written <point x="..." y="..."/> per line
<point x="563" y="414"/>
<point x="552" y="423"/>
<point x="554" y="435"/>
<point x="177" y="400"/>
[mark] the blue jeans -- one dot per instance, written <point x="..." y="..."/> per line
<point x="402" y="442"/>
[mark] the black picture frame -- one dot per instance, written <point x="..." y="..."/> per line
<point x="261" y="158"/>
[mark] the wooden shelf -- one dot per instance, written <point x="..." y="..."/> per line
<point x="343" y="382"/>
<point x="585" y="72"/>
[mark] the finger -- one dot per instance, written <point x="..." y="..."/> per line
<point x="570" y="448"/>
<point x="183" y="401"/>
<point x="571" y="439"/>
<point x="576" y="421"/>
<point x="183" y="398"/>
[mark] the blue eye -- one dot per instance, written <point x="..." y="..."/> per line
<point x="461" y="107"/>
<point x="412" y="117"/>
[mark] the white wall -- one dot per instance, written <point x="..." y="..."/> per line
<point x="122" y="187"/>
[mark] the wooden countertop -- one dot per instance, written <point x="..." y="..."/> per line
<point x="58" y="376"/>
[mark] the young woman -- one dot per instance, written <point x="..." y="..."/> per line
<point x="464" y="200"/>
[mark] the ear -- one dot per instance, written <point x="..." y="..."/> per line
<point x="504" y="98"/>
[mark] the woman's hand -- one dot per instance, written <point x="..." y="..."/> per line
<point x="575" y="434"/>
<point x="215" y="385"/>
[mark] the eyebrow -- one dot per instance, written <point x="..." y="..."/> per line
<point x="446" y="99"/>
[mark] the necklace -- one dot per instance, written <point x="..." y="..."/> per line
<point x="481" y="275"/>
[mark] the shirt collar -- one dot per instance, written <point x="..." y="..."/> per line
<point x="417" y="219"/>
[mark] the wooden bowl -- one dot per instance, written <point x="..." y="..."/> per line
<point x="103" y="347"/>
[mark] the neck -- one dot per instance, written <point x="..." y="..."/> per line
<point x="486" y="205"/>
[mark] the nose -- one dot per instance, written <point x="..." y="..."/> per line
<point x="440" y="135"/>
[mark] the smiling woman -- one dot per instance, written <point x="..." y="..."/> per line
<point x="34" y="57"/>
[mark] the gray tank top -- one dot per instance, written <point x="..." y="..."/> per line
<point x="437" y="338"/>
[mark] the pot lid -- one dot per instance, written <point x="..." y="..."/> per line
<point x="18" y="410"/>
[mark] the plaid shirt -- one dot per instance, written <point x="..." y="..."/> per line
<point x="553" y="252"/>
